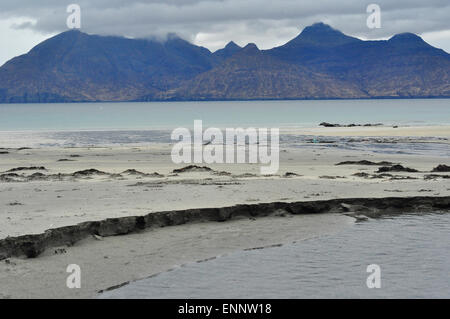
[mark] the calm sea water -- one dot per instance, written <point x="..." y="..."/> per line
<point x="412" y="252"/>
<point x="167" y="115"/>
<point x="105" y="124"/>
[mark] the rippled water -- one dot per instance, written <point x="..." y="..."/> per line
<point x="413" y="252"/>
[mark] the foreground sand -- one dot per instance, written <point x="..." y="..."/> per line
<point x="30" y="205"/>
<point x="116" y="260"/>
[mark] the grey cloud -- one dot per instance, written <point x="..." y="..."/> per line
<point x="266" y="22"/>
<point x="23" y="25"/>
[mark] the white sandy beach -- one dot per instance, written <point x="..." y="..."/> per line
<point x="30" y="205"/>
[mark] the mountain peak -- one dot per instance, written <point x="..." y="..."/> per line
<point x="171" y="36"/>
<point x="72" y="33"/>
<point x="58" y="42"/>
<point x="321" y="34"/>
<point x="251" y="47"/>
<point x="319" y="26"/>
<point x="249" y="50"/>
<point x="232" y="45"/>
<point x="230" y="49"/>
<point x="408" y="40"/>
<point x="319" y="29"/>
<point x="406" y="37"/>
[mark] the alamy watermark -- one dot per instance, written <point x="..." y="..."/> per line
<point x="73" y="281"/>
<point x="374" y="19"/>
<point x="235" y="145"/>
<point x="374" y="279"/>
<point x="74" y="19"/>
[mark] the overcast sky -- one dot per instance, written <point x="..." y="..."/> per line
<point x="213" y="23"/>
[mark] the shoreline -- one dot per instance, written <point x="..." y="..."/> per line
<point x="431" y="97"/>
<point x="291" y="129"/>
<point x="375" y="131"/>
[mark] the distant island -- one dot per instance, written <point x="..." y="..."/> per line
<point x="320" y="63"/>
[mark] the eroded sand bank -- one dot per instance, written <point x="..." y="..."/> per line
<point x="116" y="260"/>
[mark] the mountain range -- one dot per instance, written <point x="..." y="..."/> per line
<point x="320" y="63"/>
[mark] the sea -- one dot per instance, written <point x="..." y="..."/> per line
<point x="106" y="124"/>
<point x="408" y="254"/>
<point x="168" y="115"/>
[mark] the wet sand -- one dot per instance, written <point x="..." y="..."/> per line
<point x="62" y="189"/>
<point x="112" y="261"/>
